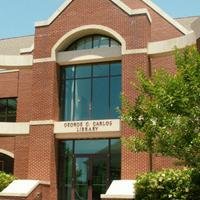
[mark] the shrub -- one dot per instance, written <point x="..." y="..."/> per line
<point x="5" y="180"/>
<point x="195" y="185"/>
<point x="169" y="184"/>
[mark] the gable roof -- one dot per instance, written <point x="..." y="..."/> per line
<point x="126" y="9"/>
<point x="119" y="3"/>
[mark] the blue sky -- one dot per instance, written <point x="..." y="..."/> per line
<point x="17" y="17"/>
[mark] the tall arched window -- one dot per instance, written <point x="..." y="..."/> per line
<point x="91" y="91"/>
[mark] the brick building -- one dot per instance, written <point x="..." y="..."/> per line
<point x="60" y="88"/>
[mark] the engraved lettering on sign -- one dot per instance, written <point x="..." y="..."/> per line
<point x="88" y="126"/>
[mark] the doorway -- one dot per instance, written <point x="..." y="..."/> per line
<point x="87" y="167"/>
<point x="91" y="176"/>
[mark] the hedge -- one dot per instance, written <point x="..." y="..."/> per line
<point x="169" y="184"/>
<point x="5" y="180"/>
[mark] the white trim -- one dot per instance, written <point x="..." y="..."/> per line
<point x="8" y="153"/>
<point x="62" y="58"/>
<point x="8" y="71"/>
<point x="27" y="50"/>
<point x="119" y="3"/>
<point x="20" y="188"/>
<point x="130" y="11"/>
<point x="166" y="16"/>
<point x="171" y="44"/>
<point x="87" y="126"/>
<point x="17" y="128"/>
<point x="42" y="122"/>
<point x="135" y="51"/>
<point x="89" y="55"/>
<point x="45" y="182"/>
<point x="41" y="60"/>
<point x="14" y="60"/>
<point x="115" y="190"/>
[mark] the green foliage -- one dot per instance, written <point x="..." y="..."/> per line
<point x="5" y="180"/>
<point x="167" y="111"/>
<point x="168" y="184"/>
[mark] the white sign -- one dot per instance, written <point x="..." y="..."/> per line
<point x="109" y="125"/>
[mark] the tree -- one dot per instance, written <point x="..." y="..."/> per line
<point x="166" y="112"/>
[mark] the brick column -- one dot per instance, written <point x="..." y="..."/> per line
<point x="42" y="156"/>
<point x="132" y="163"/>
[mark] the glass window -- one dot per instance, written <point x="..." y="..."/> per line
<point x="115" y="146"/>
<point x="85" y="43"/>
<point x="100" y="103"/>
<point x="68" y="146"/>
<point x="92" y="42"/>
<point x="93" y="93"/>
<point x="114" y="43"/>
<point x="101" y="41"/>
<point x="82" y="99"/>
<point x="101" y="69"/>
<point x="69" y="103"/>
<point x="115" y="92"/>
<point x="8" y="110"/>
<point x="69" y="72"/>
<point x="83" y="71"/>
<point x="115" y="68"/>
<point x="91" y="146"/>
<point x="3" y="110"/>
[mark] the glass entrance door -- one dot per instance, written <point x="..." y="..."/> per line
<point x="91" y="176"/>
<point x="87" y="167"/>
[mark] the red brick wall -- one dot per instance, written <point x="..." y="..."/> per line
<point x="132" y="164"/>
<point x="45" y="91"/>
<point x="24" y="95"/>
<point x="21" y="157"/>
<point x="41" y="152"/>
<point x="166" y="62"/>
<point x="8" y="84"/>
<point x="7" y="143"/>
<point x="160" y="28"/>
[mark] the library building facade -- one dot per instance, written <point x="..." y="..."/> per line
<point x="60" y="93"/>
